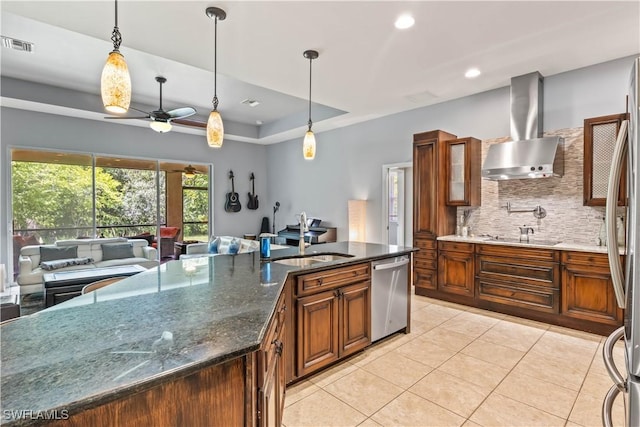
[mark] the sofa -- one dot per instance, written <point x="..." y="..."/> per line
<point x="79" y="254"/>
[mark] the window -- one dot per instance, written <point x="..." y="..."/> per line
<point x="52" y="195"/>
<point x="195" y="208"/>
<point x="59" y="195"/>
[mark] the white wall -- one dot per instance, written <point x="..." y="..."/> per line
<point x="349" y="160"/>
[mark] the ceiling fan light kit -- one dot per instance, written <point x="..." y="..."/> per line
<point x="115" y="82"/>
<point x="160" y="127"/>
<point x="215" y="127"/>
<point x="309" y="142"/>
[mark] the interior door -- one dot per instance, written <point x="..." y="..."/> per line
<point x="397" y="205"/>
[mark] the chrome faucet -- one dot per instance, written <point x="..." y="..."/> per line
<point x="303" y="229"/>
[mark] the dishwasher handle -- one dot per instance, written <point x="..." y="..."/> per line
<point x="390" y="265"/>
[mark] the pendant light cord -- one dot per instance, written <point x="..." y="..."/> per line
<point x="116" y="37"/>
<point x="310" y="122"/>
<point x="215" y="65"/>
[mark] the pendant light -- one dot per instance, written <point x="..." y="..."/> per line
<point x="309" y="143"/>
<point x="115" y="83"/>
<point x="215" y="128"/>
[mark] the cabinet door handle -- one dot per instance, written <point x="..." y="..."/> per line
<point x="336" y="293"/>
<point x="320" y="281"/>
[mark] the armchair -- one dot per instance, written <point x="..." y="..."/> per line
<point x="168" y="236"/>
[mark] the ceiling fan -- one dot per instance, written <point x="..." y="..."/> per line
<point x="161" y="119"/>
<point x="189" y="171"/>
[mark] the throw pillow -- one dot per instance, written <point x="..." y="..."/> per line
<point x="234" y="246"/>
<point x="214" y="245"/>
<point x="117" y="251"/>
<point x="61" y="263"/>
<point x="52" y="254"/>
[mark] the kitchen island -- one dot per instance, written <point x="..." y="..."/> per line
<point x="188" y="342"/>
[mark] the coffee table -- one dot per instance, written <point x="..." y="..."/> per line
<point x="64" y="285"/>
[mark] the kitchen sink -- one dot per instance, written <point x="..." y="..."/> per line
<point x="299" y="262"/>
<point x="330" y="257"/>
<point x="311" y="259"/>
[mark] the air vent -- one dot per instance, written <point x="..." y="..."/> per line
<point x="16" y="44"/>
<point x="250" y="102"/>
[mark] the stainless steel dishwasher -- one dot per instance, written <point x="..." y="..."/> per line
<point x="389" y="293"/>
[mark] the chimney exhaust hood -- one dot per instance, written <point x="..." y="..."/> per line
<point x="529" y="155"/>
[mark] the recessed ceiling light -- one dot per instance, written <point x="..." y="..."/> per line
<point x="404" y="21"/>
<point x="472" y="73"/>
<point x="258" y="122"/>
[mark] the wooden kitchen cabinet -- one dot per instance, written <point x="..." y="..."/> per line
<point x="600" y="135"/>
<point x="587" y="291"/>
<point x="520" y="280"/>
<point x="333" y="316"/>
<point x="456" y="269"/>
<point x="462" y="171"/>
<point x="271" y="380"/>
<point x="432" y="217"/>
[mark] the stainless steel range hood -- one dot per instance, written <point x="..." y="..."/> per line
<point x="529" y="155"/>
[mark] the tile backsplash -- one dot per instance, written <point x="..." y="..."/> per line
<point x="567" y="219"/>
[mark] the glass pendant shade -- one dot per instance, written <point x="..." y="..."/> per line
<point x="161" y="127"/>
<point x="309" y="146"/>
<point x="215" y="130"/>
<point x="115" y="84"/>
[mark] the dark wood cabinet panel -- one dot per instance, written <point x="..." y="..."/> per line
<point x="462" y="171"/>
<point x="333" y="322"/>
<point x="329" y="279"/>
<point x="456" y="273"/>
<point x="519" y="295"/>
<point x="425" y="185"/>
<point x="425" y="280"/>
<point x="317" y="332"/>
<point x="524" y="278"/>
<point x="271" y="376"/>
<point x="587" y="291"/>
<point x="431" y="215"/>
<point x="599" y="140"/>
<point x="356" y="318"/>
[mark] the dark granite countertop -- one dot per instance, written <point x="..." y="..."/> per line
<point x="100" y="346"/>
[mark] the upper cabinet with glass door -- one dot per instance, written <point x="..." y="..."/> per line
<point x="600" y="135"/>
<point x="462" y="171"/>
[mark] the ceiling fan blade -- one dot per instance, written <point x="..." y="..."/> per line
<point x="192" y="123"/>
<point x="125" y="118"/>
<point x="180" y="113"/>
<point x="141" y="111"/>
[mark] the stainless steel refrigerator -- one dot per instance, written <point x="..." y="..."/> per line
<point x="626" y="378"/>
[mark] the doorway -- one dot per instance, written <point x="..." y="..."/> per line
<point x="397" y="204"/>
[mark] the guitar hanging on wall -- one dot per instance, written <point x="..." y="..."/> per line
<point x="232" y="204"/>
<point x="253" y="199"/>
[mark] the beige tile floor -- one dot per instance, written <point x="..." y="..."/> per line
<point x="462" y="366"/>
